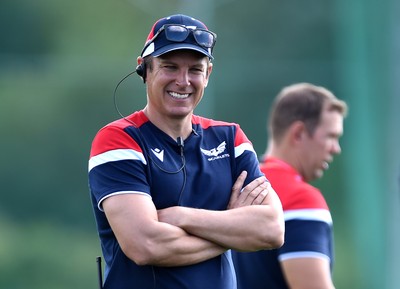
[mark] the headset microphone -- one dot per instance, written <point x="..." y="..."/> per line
<point x="180" y="142"/>
<point x="181" y="145"/>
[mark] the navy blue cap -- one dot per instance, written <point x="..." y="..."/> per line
<point x="161" y="45"/>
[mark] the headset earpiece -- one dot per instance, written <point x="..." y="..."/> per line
<point x="141" y="71"/>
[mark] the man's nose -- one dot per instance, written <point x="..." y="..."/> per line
<point x="183" y="78"/>
<point x="336" y="149"/>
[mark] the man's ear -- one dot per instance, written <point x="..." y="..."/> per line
<point x="141" y="68"/>
<point x="297" y="131"/>
<point x="209" y="70"/>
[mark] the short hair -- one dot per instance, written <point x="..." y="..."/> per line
<point x="302" y="102"/>
<point x="148" y="62"/>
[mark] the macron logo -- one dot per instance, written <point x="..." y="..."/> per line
<point x="158" y="153"/>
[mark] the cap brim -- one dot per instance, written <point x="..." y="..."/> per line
<point x="179" y="46"/>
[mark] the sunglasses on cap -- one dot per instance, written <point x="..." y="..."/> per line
<point x="179" y="33"/>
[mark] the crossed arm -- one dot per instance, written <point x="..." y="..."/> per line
<point x="178" y="236"/>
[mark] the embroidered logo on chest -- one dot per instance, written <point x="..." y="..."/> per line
<point x="216" y="153"/>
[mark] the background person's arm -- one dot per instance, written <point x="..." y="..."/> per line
<point x="307" y="273"/>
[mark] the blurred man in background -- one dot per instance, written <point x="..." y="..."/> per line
<point x="305" y="124"/>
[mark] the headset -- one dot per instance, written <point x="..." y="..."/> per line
<point x="141" y="71"/>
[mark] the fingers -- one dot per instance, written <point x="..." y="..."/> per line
<point x="255" y="195"/>
<point x="237" y="186"/>
<point x="252" y="194"/>
<point x="258" y="199"/>
<point x="236" y="189"/>
<point x="255" y="184"/>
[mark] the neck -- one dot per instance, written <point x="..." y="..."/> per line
<point x="174" y="127"/>
<point x="282" y="152"/>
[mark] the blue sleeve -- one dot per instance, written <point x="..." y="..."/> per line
<point x="305" y="238"/>
<point x="245" y="157"/>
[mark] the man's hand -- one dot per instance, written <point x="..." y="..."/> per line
<point x="252" y="194"/>
<point x="242" y="226"/>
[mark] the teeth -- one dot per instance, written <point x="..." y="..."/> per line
<point x="325" y="165"/>
<point x="178" y="95"/>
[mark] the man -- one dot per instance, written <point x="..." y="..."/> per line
<point x="306" y="122"/>
<point x="172" y="192"/>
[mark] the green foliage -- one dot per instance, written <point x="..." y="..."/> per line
<point x="45" y="255"/>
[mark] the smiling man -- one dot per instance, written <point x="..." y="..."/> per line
<point x="306" y="122"/>
<point x="173" y="192"/>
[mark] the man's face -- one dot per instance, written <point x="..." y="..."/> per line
<point x="319" y="149"/>
<point x="176" y="83"/>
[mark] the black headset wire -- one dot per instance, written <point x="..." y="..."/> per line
<point x="115" y="97"/>
<point x="180" y="144"/>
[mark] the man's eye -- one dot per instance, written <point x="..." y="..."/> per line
<point x="169" y="66"/>
<point x="197" y="70"/>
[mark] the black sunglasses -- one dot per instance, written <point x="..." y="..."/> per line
<point x="179" y="33"/>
